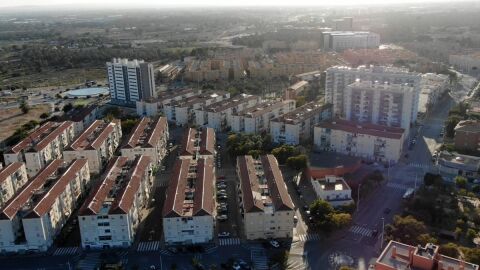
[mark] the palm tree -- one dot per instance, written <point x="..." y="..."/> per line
<point x="24" y="107"/>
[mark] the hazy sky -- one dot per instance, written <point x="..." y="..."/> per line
<point x="117" y="3"/>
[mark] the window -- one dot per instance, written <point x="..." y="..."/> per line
<point x="107" y="231"/>
<point x="105" y="238"/>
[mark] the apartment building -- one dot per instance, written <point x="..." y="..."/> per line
<point x="266" y="207"/>
<point x="297" y="125"/>
<point x="379" y="103"/>
<point x="399" y="256"/>
<point x="12" y="178"/>
<point x="333" y="189"/>
<point x="188" y="211"/>
<point x="35" y="215"/>
<point x="342" y="40"/>
<point x="257" y="119"/>
<point x="219" y="115"/>
<point x="368" y="141"/>
<point x="183" y="112"/>
<point x="110" y="216"/>
<point x="130" y="81"/>
<point x="97" y="144"/>
<point x="343" y="24"/>
<point x="339" y="77"/>
<point x="42" y="146"/>
<point x="198" y="143"/>
<point x="82" y="117"/>
<point x="295" y="89"/>
<point x="154" y="106"/>
<point x="149" y="138"/>
<point x="452" y="164"/>
<point x="467" y="135"/>
<point x="467" y="63"/>
<point x="433" y="87"/>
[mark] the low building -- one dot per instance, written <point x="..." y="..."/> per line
<point x="368" y="141"/>
<point x="110" y="216"/>
<point x="467" y="135"/>
<point x="297" y="125"/>
<point x="149" y="138"/>
<point x="97" y="144"/>
<point x="399" y="256"/>
<point x="35" y="215"/>
<point x="12" y="178"/>
<point x="153" y="107"/>
<point x="198" y="143"/>
<point x="43" y="145"/>
<point x="342" y="40"/>
<point x="296" y="89"/>
<point x="332" y="189"/>
<point x="266" y="207"/>
<point x="188" y="211"/>
<point x="256" y="119"/>
<point x="453" y="164"/>
<point x="82" y="117"/>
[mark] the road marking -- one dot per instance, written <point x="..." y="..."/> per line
<point x="308" y="237"/>
<point x="259" y="258"/>
<point x="148" y="246"/>
<point x="397" y="186"/>
<point x="360" y="230"/>
<point x="63" y="251"/>
<point x="228" y="241"/>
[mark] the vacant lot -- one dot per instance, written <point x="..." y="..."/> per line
<point x="11" y="119"/>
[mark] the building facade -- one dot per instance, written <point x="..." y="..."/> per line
<point x="97" y="144"/>
<point x="130" y="81"/>
<point x="433" y="87"/>
<point x="368" y="141"/>
<point x="82" y="117"/>
<point x="342" y="40"/>
<point x="42" y="146"/>
<point x="154" y="106"/>
<point x="189" y="208"/>
<point x="297" y="125"/>
<point x="467" y="135"/>
<point x="111" y="214"/>
<point x="149" y="138"/>
<point x="332" y="189"/>
<point x="266" y="207"/>
<point x="32" y="219"/>
<point x="12" y="178"/>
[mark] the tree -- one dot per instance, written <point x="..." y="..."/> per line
<point x="472" y="255"/>
<point x="450" y="125"/>
<point x="44" y="115"/>
<point x="340" y="220"/>
<point x="300" y="100"/>
<point x="68" y="107"/>
<point x="476" y="188"/>
<point x="298" y="163"/>
<point x="461" y="182"/>
<point x="24" y="106"/>
<point x="321" y="211"/>
<point x="432" y="179"/>
<point x="407" y="230"/>
<point x="449" y="249"/>
<point x="471" y="234"/>
<point x="283" y="152"/>
<point x="128" y="124"/>
<point x="344" y="267"/>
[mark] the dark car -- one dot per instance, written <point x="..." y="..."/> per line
<point x="387" y="211"/>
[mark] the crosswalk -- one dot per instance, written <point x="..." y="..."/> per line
<point x="360" y="230"/>
<point x="259" y="258"/>
<point x="210" y="249"/>
<point x="64" y="251"/>
<point x="308" y="237"/>
<point x="296" y="265"/>
<point x="228" y="241"/>
<point x="397" y="186"/>
<point x="148" y="246"/>
<point x="91" y="261"/>
<point x="420" y="165"/>
<point x="162" y="183"/>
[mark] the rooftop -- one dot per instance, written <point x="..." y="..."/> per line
<point x="459" y="159"/>
<point x="119" y="184"/>
<point x="364" y="128"/>
<point x="468" y="126"/>
<point x="332" y="182"/>
<point x="200" y="141"/>
<point x="79" y="113"/>
<point x="382" y="86"/>
<point x="94" y="135"/>
<point x="196" y="99"/>
<point x="263" y="187"/>
<point x="375" y="69"/>
<point x="298" y="85"/>
<point x="230" y="103"/>
<point x="41" y="137"/>
<point x="302" y="113"/>
<point x="263" y="108"/>
<point x="190" y="192"/>
<point x="146" y="133"/>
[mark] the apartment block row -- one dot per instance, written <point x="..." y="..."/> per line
<point x="198" y="143"/>
<point x="342" y="40"/>
<point x="154" y="106"/>
<point x="433" y="87"/>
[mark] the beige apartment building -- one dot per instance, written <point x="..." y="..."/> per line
<point x="97" y="144"/>
<point x="265" y="205"/>
<point x="188" y="211"/>
<point x="153" y="107"/>
<point x="332" y="189"/>
<point x="42" y="146"/>
<point x="12" y="178"/>
<point x="149" y="138"/>
<point x="111" y="214"/>
<point x="35" y="215"/>
<point x="256" y="119"/>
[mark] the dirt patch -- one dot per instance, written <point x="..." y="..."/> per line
<point x="13" y="118"/>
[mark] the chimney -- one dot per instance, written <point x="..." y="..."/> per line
<point x="394" y="252"/>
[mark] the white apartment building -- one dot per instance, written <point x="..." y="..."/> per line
<point x="294" y="90"/>
<point x="219" y="115"/>
<point x="130" y="81"/>
<point x="339" y="77"/>
<point x="112" y="213"/>
<point x="188" y="211"/>
<point x="35" y="215"/>
<point x="257" y="119"/>
<point x="368" y="141"/>
<point x="297" y="125"/>
<point x="342" y="40"/>
<point x="12" y="178"/>
<point x="149" y="138"/>
<point x="43" y="145"/>
<point x="266" y="207"/>
<point x="466" y="63"/>
<point x="332" y="189"/>
<point x="97" y="144"/>
<point x="433" y="86"/>
<point x="82" y="117"/>
<point x="198" y="143"/>
<point x="182" y="112"/>
<point x="154" y="106"/>
<point x="379" y="103"/>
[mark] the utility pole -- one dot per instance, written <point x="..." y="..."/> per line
<point x="383" y="232"/>
<point x="415" y="182"/>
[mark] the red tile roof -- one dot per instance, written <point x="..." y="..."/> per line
<point x="157" y="128"/>
<point x="9" y="170"/>
<point x="35" y="136"/>
<point x="94" y="135"/>
<point x="276" y="185"/>
<point x="206" y="145"/>
<point x="54" y="134"/>
<point x="364" y="128"/>
<point x="45" y="204"/>
<point x="175" y="204"/>
<point x="21" y="199"/>
<point x="249" y="183"/>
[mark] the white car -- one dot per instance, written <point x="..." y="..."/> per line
<point x="224" y="234"/>
<point x="274" y="243"/>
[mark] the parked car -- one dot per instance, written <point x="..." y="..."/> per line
<point x="224" y="234"/>
<point x="222" y="209"/>
<point x="222" y="217"/>
<point x="221" y="177"/>
<point x="274" y="243"/>
<point x="221" y="186"/>
<point x="387" y="211"/>
<point x="295" y="219"/>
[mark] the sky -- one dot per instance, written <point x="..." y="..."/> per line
<point x="118" y="3"/>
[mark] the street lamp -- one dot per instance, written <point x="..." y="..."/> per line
<point x="358" y="197"/>
<point x="383" y="231"/>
